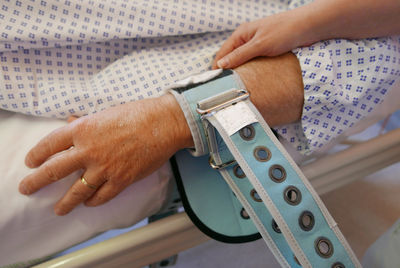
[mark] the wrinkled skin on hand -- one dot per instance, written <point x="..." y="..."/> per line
<point x="114" y="148"/>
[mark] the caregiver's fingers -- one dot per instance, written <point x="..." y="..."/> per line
<point x="241" y="55"/>
<point x="80" y="191"/>
<point x="57" y="141"/>
<point x="237" y="39"/>
<point x="52" y="170"/>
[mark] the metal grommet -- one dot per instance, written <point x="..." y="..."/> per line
<point x="262" y="153"/>
<point x="277" y="173"/>
<point x="247" y="133"/>
<point x="237" y="170"/>
<point x="306" y="221"/>
<point x="244" y="215"/>
<point x="323" y="247"/>
<point x="255" y="196"/>
<point x="292" y="195"/>
<point x="296" y="260"/>
<point x="275" y="227"/>
<point x="338" y="265"/>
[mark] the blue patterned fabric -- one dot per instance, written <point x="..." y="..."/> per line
<point x="75" y="57"/>
<point x="343" y="82"/>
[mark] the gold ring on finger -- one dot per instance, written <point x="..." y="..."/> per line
<point x="91" y="186"/>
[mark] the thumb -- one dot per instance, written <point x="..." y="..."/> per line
<point x="239" y="56"/>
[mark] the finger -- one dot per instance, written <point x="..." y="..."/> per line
<point x="57" y="141"/>
<point x="79" y="192"/>
<point x="52" y="170"/>
<point x="107" y="192"/>
<point x="237" y="39"/>
<point x="240" y="55"/>
<point x="71" y="119"/>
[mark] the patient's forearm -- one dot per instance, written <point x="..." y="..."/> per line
<point x="275" y="86"/>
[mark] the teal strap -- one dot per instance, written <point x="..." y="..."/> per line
<point x="278" y="198"/>
<point x="188" y="99"/>
<point x="273" y="180"/>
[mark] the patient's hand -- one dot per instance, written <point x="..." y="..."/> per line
<point x="114" y="148"/>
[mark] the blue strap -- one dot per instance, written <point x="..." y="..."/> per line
<point x="274" y="193"/>
<point x="274" y="183"/>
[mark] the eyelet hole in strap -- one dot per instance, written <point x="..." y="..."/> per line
<point x="277" y="173"/>
<point x="338" y="265"/>
<point x="306" y="221"/>
<point x="237" y="170"/>
<point x="255" y="196"/>
<point x="244" y="214"/>
<point x="292" y="195"/>
<point x="275" y="227"/>
<point x="262" y="153"/>
<point x="247" y="133"/>
<point x="323" y="247"/>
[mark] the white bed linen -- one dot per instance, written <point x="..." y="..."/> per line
<point x="28" y="226"/>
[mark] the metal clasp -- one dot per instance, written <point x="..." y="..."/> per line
<point x="220" y="166"/>
<point x="213" y="104"/>
<point x="241" y="95"/>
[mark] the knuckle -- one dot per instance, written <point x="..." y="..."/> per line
<point x="117" y="183"/>
<point x="79" y="127"/>
<point x="258" y="43"/>
<point x="50" y="172"/>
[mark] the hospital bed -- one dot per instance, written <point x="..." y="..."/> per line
<point x="176" y="233"/>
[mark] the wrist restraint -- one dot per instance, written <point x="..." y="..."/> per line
<point x="243" y="184"/>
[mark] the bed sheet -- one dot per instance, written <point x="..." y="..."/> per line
<point x="28" y="227"/>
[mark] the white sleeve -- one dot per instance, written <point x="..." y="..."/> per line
<point x="344" y="81"/>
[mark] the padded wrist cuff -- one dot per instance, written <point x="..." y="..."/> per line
<point x="191" y="90"/>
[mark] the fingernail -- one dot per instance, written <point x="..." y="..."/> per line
<point x="28" y="162"/>
<point x="222" y="63"/>
<point x="23" y="189"/>
<point x="59" y="211"/>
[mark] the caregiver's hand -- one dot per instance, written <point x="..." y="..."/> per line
<point x="114" y="148"/>
<point x="270" y="36"/>
<point x="305" y="25"/>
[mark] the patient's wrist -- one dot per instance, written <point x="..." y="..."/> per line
<point x="179" y="126"/>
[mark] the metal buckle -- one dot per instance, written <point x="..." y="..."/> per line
<point x="241" y="95"/>
<point x="220" y="166"/>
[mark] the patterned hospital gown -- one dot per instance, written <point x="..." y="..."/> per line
<point x="76" y="57"/>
